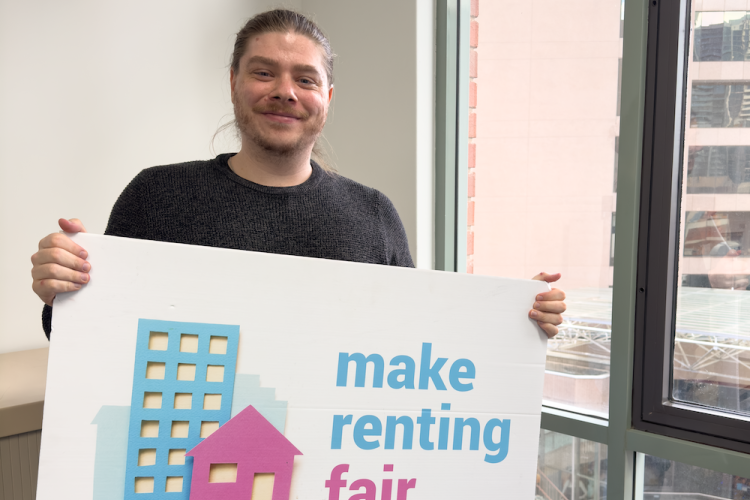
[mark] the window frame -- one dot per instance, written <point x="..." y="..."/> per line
<point x="451" y="133"/>
<point x="654" y="410"/>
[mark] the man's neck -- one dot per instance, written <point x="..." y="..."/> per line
<point x="267" y="169"/>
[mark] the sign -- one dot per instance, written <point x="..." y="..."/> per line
<point x="191" y="372"/>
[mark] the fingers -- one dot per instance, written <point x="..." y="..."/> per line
<point x="548" y="320"/>
<point x="552" y="306"/>
<point x="549" y="278"/>
<point x="64" y="258"/>
<point x="546" y="317"/>
<point x="60" y="264"/>
<point x="550" y="330"/>
<point x="47" y="290"/>
<point x="57" y="272"/>
<point x="51" y="278"/>
<point x="549" y="306"/>
<point x="71" y="225"/>
<point x="58" y="240"/>
<point x="554" y="294"/>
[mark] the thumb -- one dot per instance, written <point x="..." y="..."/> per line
<point x="71" y="226"/>
<point x="549" y="278"/>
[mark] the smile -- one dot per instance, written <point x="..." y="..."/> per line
<point x="281" y="118"/>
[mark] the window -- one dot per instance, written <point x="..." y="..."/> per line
<point x="544" y="108"/>
<point x="218" y="345"/>
<point x="658" y="348"/>
<point x="719" y="104"/>
<point x="174" y="483"/>
<point x="721" y="36"/>
<point x="146" y="456"/>
<point x="571" y="468"/>
<point x="693" y="342"/>
<point x="718" y="169"/>
<point x="222" y="473"/>
<point x="666" y="478"/>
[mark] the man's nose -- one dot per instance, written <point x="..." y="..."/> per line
<point x="284" y="90"/>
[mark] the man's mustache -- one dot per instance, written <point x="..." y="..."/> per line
<point x="281" y="110"/>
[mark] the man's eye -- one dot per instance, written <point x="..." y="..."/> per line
<point x="306" y="81"/>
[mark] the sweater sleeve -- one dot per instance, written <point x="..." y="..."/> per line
<point x="127" y="219"/>
<point x="396" y="243"/>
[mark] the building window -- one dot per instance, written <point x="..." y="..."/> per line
<point x="612" y="242"/>
<point x="716" y="105"/>
<point x="617" y="159"/>
<point x="721" y="36"/>
<point x="718" y="169"/>
<point x="716" y="235"/>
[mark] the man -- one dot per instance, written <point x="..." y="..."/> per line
<point x="270" y="196"/>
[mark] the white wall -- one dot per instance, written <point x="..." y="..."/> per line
<point x="92" y="92"/>
<point x="381" y="120"/>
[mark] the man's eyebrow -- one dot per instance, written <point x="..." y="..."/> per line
<point x="306" y="68"/>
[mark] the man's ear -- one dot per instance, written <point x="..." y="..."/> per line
<point x="330" y="94"/>
<point x="231" y="83"/>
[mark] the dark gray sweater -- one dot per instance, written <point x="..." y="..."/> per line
<point x="205" y="203"/>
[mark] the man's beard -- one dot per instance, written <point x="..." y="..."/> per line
<point x="264" y="138"/>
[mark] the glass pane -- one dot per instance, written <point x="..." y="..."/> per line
<point x="570" y="468"/>
<point x="711" y="364"/>
<point x="664" y="479"/>
<point x="544" y="127"/>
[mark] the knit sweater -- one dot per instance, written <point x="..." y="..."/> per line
<point x="204" y="203"/>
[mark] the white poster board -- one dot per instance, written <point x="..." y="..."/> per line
<point x="382" y="382"/>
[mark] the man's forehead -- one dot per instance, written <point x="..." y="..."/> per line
<point x="285" y="48"/>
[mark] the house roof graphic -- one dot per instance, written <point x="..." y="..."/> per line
<point x="247" y="437"/>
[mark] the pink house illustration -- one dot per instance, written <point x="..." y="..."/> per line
<point x="245" y="453"/>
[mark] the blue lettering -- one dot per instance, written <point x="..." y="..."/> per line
<point x="425" y="421"/>
<point x="458" y="433"/>
<point x="407" y="372"/>
<point x="456" y="374"/>
<point x="339" y="421"/>
<point x="361" y="363"/>
<point x="360" y="432"/>
<point x="390" y="432"/>
<point x="501" y="446"/>
<point x="427" y="372"/>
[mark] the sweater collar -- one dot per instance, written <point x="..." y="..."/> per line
<point x="222" y="163"/>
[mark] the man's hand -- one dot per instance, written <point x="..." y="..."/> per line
<point x="549" y="306"/>
<point x="60" y="265"/>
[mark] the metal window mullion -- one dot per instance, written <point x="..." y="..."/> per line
<point x="451" y="133"/>
<point x="446" y="106"/>
<point x="573" y="424"/>
<point x="462" y="134"/>
<point x="621" y="460"/>
<point x="687" y="452"/>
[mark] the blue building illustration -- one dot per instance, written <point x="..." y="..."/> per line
<point x="183" y="383"/>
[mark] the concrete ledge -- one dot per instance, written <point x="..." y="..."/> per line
<point x="21" y="418"/>
<point x="23" y="378"/>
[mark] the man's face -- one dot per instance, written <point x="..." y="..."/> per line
<point x="280" y="92"/>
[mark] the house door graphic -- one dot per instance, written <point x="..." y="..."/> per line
<point x="263" y="486"/>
